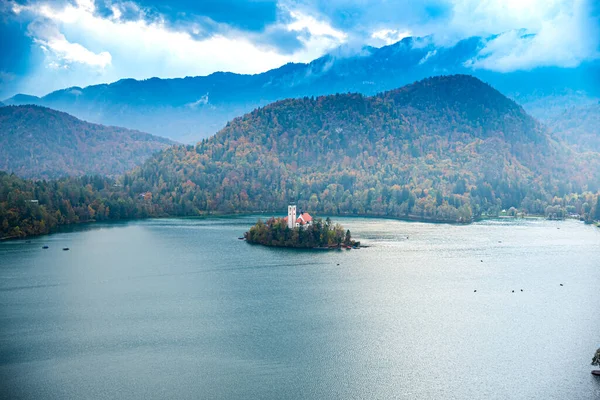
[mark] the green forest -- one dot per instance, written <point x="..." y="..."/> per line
<point x="319" y="234"/>
<point x="444" y="149"/>
<point x="38" y="207"/>
<point x="447" y="149"/>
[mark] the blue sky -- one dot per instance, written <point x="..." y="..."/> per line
<point x="47" y="45"/>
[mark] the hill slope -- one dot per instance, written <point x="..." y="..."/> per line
<point x="191" y="108"/>
<point x="446" y="148"/>
<point x="38" y="142"/>
<point x="579" y="126"/>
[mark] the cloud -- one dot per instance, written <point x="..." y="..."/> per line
<point x="564" y="39"/>
<point x="279" y="38"/>
<point x="298" y="33"/>
<point x="317" y="35"/>
<point x="302" y="21"/>
<point x="561" y="32"/>
<point x="82" y="42"/>
<point x="361" y="19"/>
<point x="61" y="52"/>
<point x="200" y="102"/>
<point x="389" y="36"/>
<point x="111" y="46"/>
<point x="251" y="16"/>
<point x="427" y="56"/>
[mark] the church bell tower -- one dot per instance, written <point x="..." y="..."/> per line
<point x="291" y="221"/>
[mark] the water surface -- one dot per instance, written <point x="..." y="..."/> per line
<point x="183" y="309"/>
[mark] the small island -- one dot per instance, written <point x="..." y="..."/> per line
<point x="301" y="232"/>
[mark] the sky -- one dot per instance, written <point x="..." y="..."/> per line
<point x="48" y="45"/>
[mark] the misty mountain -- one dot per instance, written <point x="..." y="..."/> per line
<point x="579" y="126"/>
<point x="445" y="148"/>
<point x="37" y="142"/>
<point x="188" y="109"/>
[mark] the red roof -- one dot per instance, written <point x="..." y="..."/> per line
<point x="304" y="218"/>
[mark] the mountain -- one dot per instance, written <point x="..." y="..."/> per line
<point x="579" y="126"/>
<point x="446" y="148"/>
<point x="188" y="109"/>
<point x="21" y="99"/>
<point x="39" y="142"/>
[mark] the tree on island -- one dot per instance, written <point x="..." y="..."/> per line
<point x="348" y="238"/>
<point x="320" y="234"/>
<point x="596" y="362"/>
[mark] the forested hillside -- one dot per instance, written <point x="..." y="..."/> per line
<point x="579" y="126"/>
<point x="443" y="149"/>
<point x="36" y="207"/>
<point x="37" y="142"/>
<point x="446" y="149"/>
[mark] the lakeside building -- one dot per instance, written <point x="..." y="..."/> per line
<point x="303" y="220"/>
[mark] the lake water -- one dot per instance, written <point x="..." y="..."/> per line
<point x="182" y="309"/>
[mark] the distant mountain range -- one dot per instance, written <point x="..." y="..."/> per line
<point x="446" y="148"/>
<point x="37" y="142"/>
<point x="191" y="108"/>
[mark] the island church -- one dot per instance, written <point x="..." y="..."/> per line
<point x="303" y="220"/>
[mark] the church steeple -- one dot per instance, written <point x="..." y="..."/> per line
<point x="291" y="220"/>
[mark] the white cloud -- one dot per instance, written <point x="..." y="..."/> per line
<point x="59" y="51"/>
<point x="73" y="52"/>
<point x="566" y="31"/>
<point x="142" y="49"/>
<point x="314" y="26"/>
<point x="483" y="16"/>
<point x="565" y="39"/>
<point x="427" y="56"/>
<point x="321" y="38"/>
<point x="86" y="48"/>
<point x="389" y="36"/>
<point x="200" y="102"/>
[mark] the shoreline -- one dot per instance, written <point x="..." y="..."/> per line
<point x="268" y="214"/>
<point x="306" y="248"/>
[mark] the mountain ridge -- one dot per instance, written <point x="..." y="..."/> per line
<point x="39" y="142"/>
<point x="191" y="108"/>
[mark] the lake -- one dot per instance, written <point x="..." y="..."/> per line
<point x="182" y="309"/>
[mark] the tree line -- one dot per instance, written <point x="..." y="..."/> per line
<point x="38" y="207"/>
